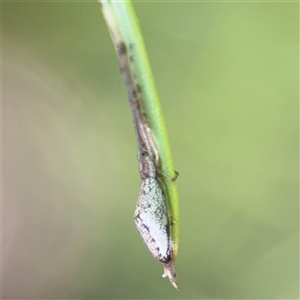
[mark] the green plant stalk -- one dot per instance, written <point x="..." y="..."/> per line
<point x="123" y="24"/>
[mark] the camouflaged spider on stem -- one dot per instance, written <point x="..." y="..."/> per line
<point x="151" y="217"/>
<point x="154" y="212"/>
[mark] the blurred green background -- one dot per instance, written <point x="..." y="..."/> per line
<point x="227" y="76"/>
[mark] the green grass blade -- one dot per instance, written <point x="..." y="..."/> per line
<point x="124" y="26"/>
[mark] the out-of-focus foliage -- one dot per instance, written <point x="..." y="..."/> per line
<point x="227" y="75"/>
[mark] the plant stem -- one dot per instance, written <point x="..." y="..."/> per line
<point x="124" y="29"/>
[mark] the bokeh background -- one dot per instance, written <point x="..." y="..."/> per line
<point x="227" y="76"/>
